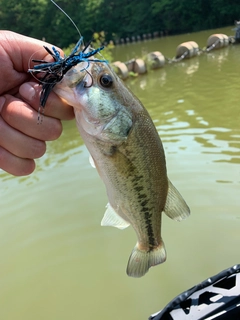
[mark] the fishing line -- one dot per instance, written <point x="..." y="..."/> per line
<point x="67" y="16"/>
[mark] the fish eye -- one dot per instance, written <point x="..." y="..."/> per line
<point x="106" y="80"/>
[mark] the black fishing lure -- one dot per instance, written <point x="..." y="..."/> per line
<point x="54" y="71"/>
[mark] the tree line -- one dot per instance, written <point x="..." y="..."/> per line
<point x="117" y="18"/>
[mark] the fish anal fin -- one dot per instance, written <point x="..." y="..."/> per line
<point x="175" y="206"/>
<point x="92" y="162"/>
<point x="141" y="260"/>
<point x="112" y="219"/>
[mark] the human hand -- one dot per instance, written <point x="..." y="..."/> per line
<point x="22" y="139"/>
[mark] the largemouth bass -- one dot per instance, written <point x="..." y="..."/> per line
<point x="128" y="154"/>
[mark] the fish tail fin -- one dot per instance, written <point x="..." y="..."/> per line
<point x="141" y="260"/>
<point x="175" y="207"/>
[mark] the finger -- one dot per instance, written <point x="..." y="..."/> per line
<point x="15" y="165"/>
<point x="55" y="106"/>
<point x="20" y="144"/>
<point x="21" y="117"/>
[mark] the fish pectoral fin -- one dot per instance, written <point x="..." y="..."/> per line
<point x="92" y="163"/>
<point x="141" y="260"/>
<point x="175" y="207"/>
<point x="112" y="219"/>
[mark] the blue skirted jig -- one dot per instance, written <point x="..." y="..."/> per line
<point x="54" y="71"/>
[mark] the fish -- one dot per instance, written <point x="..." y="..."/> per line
<point x="128" y="154"/>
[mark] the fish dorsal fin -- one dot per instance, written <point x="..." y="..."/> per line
<point x="112" y="219"/>
<point x="92" y="163"/>
<point x="175" y="207"/>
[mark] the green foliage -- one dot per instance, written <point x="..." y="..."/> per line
<point x="118" y="18"/>
<point x="21" y="16"/>
<point x="98" y="40"/>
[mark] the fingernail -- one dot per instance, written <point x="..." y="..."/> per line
<point x="27" y="91"/>
<point x="2" y="101"/>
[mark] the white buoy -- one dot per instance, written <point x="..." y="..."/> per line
<point x="121" y="69"/>
<point x="155" y="60"/>
<point x="139" y="66"/>
<point x="217" y="41"/>
<point x="187" y="49"/>
<point x="136" y="65"/>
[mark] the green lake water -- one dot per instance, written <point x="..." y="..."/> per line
<point x="58" y="263"/>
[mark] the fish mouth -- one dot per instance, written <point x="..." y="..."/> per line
<point x="75" y="83"/>
<point x="79" y="79"/>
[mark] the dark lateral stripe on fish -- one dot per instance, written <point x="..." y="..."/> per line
<point x="143" y="201"/>
<point x="150" y="233"/>
<point x="145" y="210"/>
<point x="138" y="188"/>
<point x="141" y="196"/>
